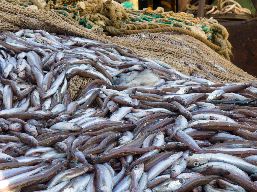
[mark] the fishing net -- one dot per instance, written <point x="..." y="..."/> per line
<point x="206" y="30"/>
<point x="76" y="84"/>
<point x="188" y="51"/>
<point x="184" y="53"/>
<point x="14" y="17"/>
<point x="110" y="17"/>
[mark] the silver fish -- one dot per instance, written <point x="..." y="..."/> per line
<point x="5" y="184"/>
<point x="163" y="165"/>
<point x="6" y="158"/>
<point x="120" y="113"/>
<point x="123" y="185"/>
<point x="7" y="97"/>
<point x="55" y="85"/>
<point x="223" y="166"/>
<point x="103" y="178"/>
<point x="218" y="157"/>
<point x="66" y="126"/>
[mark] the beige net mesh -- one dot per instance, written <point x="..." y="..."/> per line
<point x="14" y="17"/>
<point x="184" y="53"/>
<point x="76" y="84"/>
<point x="108" y="16"/>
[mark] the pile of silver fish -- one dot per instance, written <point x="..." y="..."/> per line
<point x="138" y="126"/>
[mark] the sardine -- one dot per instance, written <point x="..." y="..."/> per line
<point x="103" y="178"/>
<point x="54" y="87"/>
<point x="163" y="165"/>
<point x="209" y="157"/>
<point x="6" y="158"/>
<point x="66" y="126"/>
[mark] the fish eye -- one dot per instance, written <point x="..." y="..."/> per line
<point x="9" y="159"/>
<point x="182" y="180"/>
<point x="196" y="164"/>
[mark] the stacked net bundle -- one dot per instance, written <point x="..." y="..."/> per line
<point x="184" y="53"/>
<point x="206" y="30"/>
<point x="14" y="17"/>
<point x="110" y="17"/>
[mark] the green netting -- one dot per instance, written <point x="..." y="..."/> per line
<point x="127" y="5"/>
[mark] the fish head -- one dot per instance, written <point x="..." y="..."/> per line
<point x="196" y="160"/>
<point x="139" y="168"/>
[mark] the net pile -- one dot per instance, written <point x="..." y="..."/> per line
<point x="110" y="17"/>
<point x="14" y="17"/>
<point x="206" y="30"/>
<point x="184" y="53"/>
